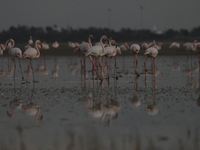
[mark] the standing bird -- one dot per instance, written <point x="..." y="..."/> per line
<point x="84" y="47"/>
<point x="135" y="49"/>
<point x="15" y="52"/>
<point x="30" y="41"/>
<point x="55" y="44"/>
<point x="158" y="47"/>
<point x="145" y="45"/>
<point x="174" y="45"/>
<point x="111" y="51"/>
<point x="32" y="53"/>
<point x="151" y="52"/>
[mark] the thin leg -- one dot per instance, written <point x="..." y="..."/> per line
<point x="28" y="70"/>
<point x="21" y="69"/>
<point x="145" y="64"/>
<point x="136" y="67"/>
<point x="32" y="71"/>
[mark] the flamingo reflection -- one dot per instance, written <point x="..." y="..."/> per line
<point x="135" y="100"/>
<point x="15" y="104"/>
<point x="31" y="108"/>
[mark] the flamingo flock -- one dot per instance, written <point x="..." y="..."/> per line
<point x="96" y="53"/>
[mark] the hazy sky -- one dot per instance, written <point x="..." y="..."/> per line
<point x="164" y="14"/>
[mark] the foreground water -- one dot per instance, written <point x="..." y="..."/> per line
<point x="70" y="110"/>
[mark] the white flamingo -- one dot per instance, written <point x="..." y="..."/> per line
<point x="111" y="51"/>
<point x="32" y="53"/>
<point x="151" y="52"/>
<point x="84" y="46"/>
<point x="159" y="46"/>
<point x="55" y="44"/>
<point x="174" y="45"/>
<point x="30" y="41"/>
<point x="15" y="52"/>
<point x="135" y="49"/>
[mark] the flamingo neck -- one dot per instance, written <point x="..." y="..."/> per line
<point x="102" y="45"/>
<point x="89" y="40"/>
<point x="38" y="52"/>
<point x="13" y="44"/>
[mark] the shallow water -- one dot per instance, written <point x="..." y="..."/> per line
<point x="77" y="112"/>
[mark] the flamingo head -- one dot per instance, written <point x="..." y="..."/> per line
<point x="39" y="43"/>
<point x="19" y="55"/>
<point x="25" y="55"/>
<point x="91" y="36"/>
<point x="77" y="49"/>
<point x="113" y="42"/>
<point x="105" y="38"/>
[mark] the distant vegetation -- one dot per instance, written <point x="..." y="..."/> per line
<point x="21" y="34"/>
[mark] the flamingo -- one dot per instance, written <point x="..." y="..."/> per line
<point x="55" y="44"/>
<point x="97" y="51"/>
<point x="15" y="52"/>
<point x="135" y="49"/>
<point x="73" y="45"/>
<point x="32" y="53"/>
<point x="110" y="52"/>
<point x="2" y="48"/>
<point x="196" y="44"/>
<point x="175" y="45"/>
<point x="84" y="46"/>
<point x="30" y="41"/>
<point x="151" y="52"/>
<point x="158" y="47"/>
<point x="145" y="45"/>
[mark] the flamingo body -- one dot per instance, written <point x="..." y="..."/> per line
<point x="55" y="44"/>
<point x="30" y="53"/>
<point x="151" y="52"/>
<point x="174" y="45"/>
<point x="16" y="52"/>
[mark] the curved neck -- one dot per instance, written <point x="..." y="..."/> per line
<point x="102" y="45"/>
<point x="38" y="52"/>
<point x="13" y="44"/>
<point x="89" y="40"/>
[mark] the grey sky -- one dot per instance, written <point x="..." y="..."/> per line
<point x="164" y="14"/>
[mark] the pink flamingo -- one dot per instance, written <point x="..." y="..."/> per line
<point x="32" y="53"/>
<point x="2" y="48"/>
<point x="15" y="52"/>
<point x="84" y="47"/>
<point x="30" y="41"/>
<point x="151" y="52"/>
<point x="110" y="52"/>
<point x="145" y="45"/>
<point x="55" y="44"/>
<point x="97" y="51"/>
<point x="135" y="49"/>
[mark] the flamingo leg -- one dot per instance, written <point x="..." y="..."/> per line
<point x="100" y="63"/>
<point x="136" y="67"/>
<point x="28" y="70"/>
<point x="145" y="63"/>
<point x="32" y="71"/>
<point x="14" y="69"/>
<point x="21" y="69"/>
<point x="116" y="68"/>
<point x="107" y="67"/>
<point x="94" y="68"/>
